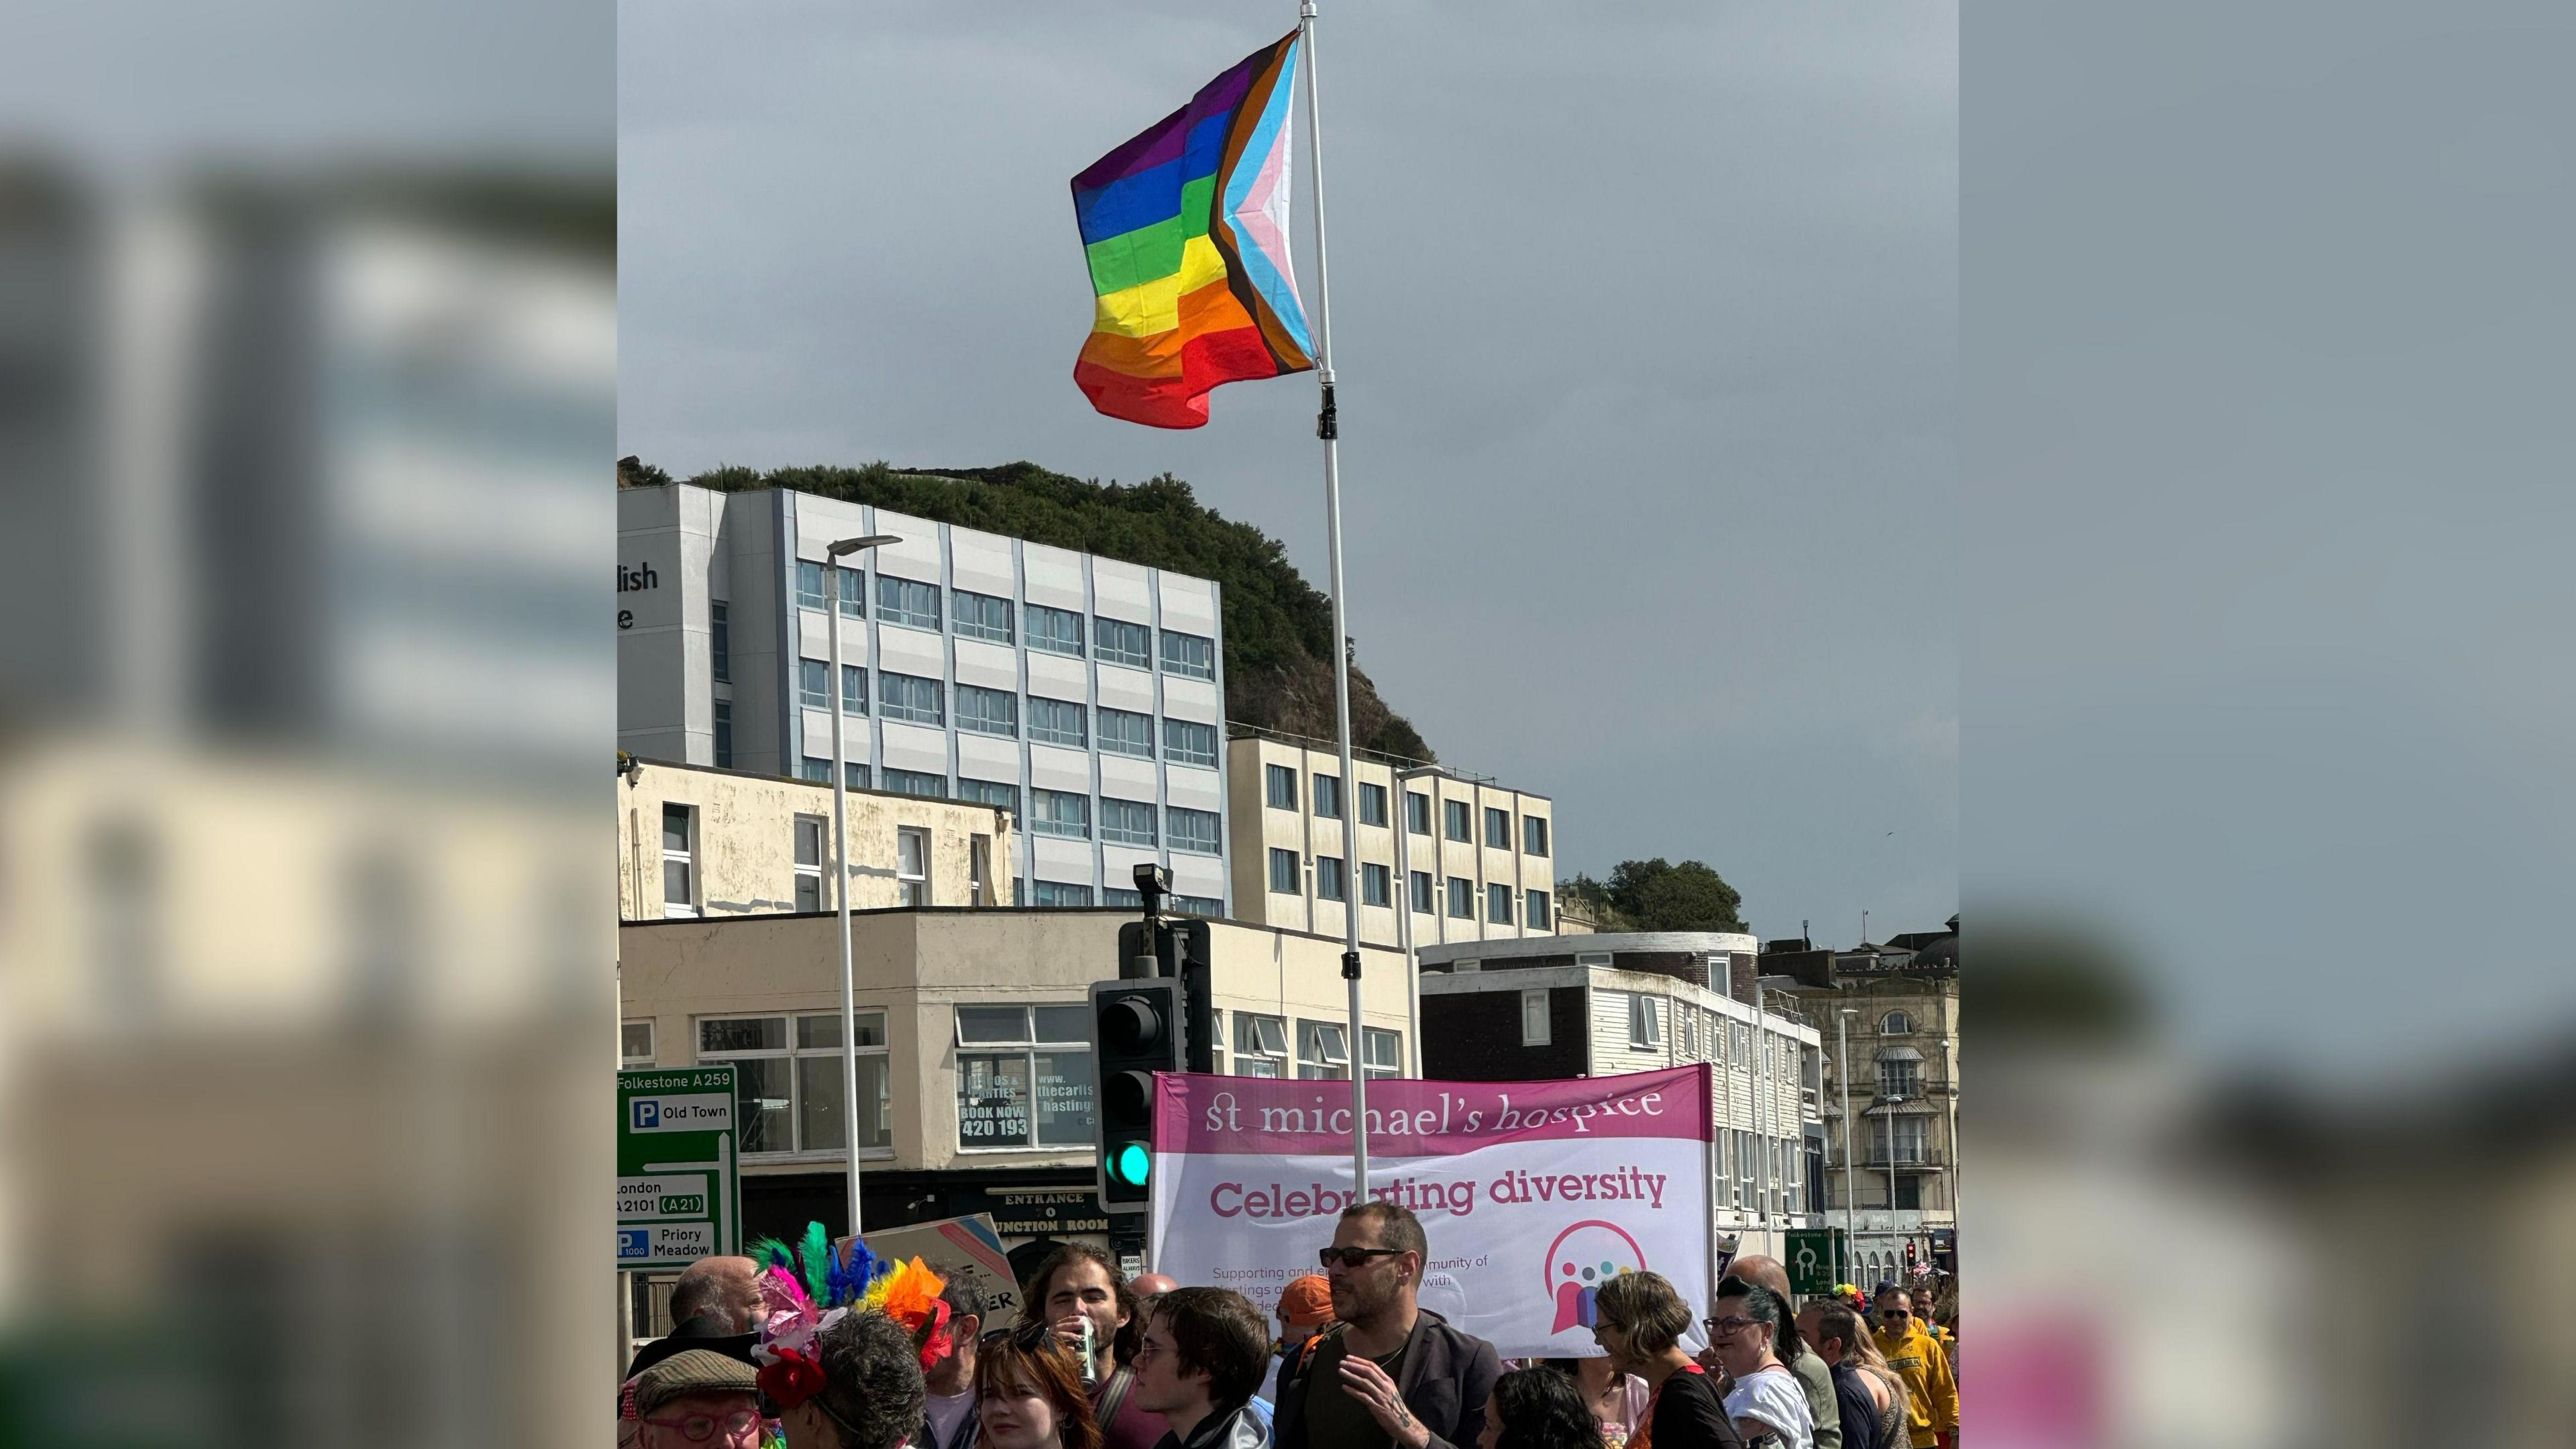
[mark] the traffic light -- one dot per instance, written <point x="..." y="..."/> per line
<point x="1178" y="949"/>
<point x="1910" y="1258"/>
<point x="1136" y="1030"/>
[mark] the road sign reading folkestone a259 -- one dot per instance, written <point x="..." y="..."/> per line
<point x="677" y="1199"/>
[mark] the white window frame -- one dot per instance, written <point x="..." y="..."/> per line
<point x="1051" y="710"/>
<point x="907" y="686"/>
<point x="896" y="611"/>
<point x="627" y="1056"/>
<point x="1536" y="1028"/>
<point x="974" y="716"/>
<point x="1176" y="752"/>
<point x="813" y="871"/>
<point x="1116" y="743"/>
<point x="1043" y="820"/>
<point x="1104" y="628"/>
<point x="1029" y="1046"/>
<point x="1048" y="642"/>
<point x="1176" y="816"/>
<point x="1645" y="1021"/>
<point x="912" y="879"/>
<point x="1121" y="833"/>
<point x="1330" y="1057"/>
<point x="867" y="1018"/>
<point x="687" y="859"/>
<point x="1906" y="1068"/>
<point x="1184" y="663"/>
<point x="1260" y="1042"/>
<point x="1896" y="1023"/>
<point x="981" y="628"/>
<point x="1384" y="1047"/>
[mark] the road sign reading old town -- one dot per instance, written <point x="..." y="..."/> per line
<point x="677" y="1196"/>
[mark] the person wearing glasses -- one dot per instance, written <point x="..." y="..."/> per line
<point x="1199" y="1366"/>
<point x="698" y="1399"/>
<point x="948" y="1418"/>
<point x="1932" y="1394"/>
<point x="1028" y="1392"/>
<point x="1638" y="1320"/>
<point x="1390" y="1374"/>
<point x="1767" y="1402"/>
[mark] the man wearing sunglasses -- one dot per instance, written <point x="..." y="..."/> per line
<point x="1390" y="1374"/>
<point x="1919" y="1359"/>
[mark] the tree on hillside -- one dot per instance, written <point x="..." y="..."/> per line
<point x="1658" y="895"/>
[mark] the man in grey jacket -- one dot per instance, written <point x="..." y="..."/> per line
<point x="1391" y="1374"/>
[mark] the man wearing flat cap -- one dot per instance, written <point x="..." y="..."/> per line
<point x="698" y="1399"/>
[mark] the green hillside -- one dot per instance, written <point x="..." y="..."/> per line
<point x="1278" y="674"/>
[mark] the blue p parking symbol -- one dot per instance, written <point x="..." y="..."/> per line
<point x="635" y="1242"/>
<point x="648" y="1114"/>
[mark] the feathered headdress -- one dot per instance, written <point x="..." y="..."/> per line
<point x="807" y="1288"/>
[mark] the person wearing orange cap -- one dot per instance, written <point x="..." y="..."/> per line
<point x="1305" y="1309"/>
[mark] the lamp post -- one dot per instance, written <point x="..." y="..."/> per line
<point x="832" y="556"/>
<point x="1894" y="1100"/>
<point x="1842" y="1049"/>
<point x="1765" y="1110"/>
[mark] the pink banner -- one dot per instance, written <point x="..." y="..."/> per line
<point x="1256" y="1116"/>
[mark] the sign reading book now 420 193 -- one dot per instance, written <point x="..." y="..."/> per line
<point x="1531" y="1193"/>
<point x="676" y="1197"/>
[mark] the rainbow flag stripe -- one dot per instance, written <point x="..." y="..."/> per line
<point x="1185" y="228"/>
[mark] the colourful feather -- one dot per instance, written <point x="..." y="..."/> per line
<point x="818" y="1262"/>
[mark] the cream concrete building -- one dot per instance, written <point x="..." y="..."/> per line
<point x="1597" y="1005"/>
<point x="694" y="841"/>
<point x="974" y="1027"/>
<point x="1472" y="860"/>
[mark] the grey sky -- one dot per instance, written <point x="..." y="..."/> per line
<point x="1646" y="321"/>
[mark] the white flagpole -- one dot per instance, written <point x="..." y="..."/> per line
<point x="1328" y="428"/>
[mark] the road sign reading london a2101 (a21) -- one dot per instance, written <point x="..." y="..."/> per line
<point x="677" y="1199"/>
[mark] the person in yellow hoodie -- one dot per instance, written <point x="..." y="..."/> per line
<point x="1919" y="1359"/>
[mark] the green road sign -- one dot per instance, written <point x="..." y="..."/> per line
<point x="677" y="1197"/>
<point x="1815" y="1256"/>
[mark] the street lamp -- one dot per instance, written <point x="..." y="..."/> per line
<point x="1842" y="1049"/>
<point x="832" y="556"/>
<point x="1893" y="1100"/>
<point x="1763" y="1107"/>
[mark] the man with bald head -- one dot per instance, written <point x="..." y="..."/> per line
<point x="715" y="1305"/>
<point x="1814" y="1375"/>
<point x="1149" y="1286"/>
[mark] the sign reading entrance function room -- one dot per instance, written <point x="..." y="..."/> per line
<point x="677" y="1195"/>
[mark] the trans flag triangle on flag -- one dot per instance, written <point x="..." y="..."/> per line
<point x="1185" y="228"/>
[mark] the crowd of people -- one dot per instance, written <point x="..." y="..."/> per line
<point x="1354" y="1361"/>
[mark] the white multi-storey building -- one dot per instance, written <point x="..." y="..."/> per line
<point x="1083" y="694"/>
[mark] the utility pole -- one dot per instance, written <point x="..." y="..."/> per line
<point x="1842" y="1046"/>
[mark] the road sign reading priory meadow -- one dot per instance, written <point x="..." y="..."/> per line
<point x="677" y="1193"/>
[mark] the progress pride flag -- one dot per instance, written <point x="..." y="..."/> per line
<point x="1532" y="1193"/>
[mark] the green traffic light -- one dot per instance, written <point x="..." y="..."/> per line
<point x="1130" y="1163"/>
